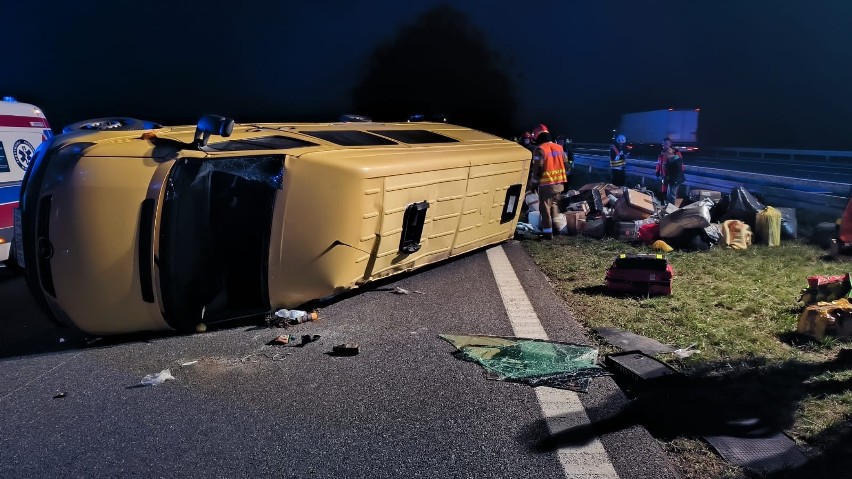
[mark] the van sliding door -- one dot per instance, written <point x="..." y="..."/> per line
<point x="214" y="238"/>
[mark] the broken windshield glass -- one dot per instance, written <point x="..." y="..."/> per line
<point x="530" y="361"/>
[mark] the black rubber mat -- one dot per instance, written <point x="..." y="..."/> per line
<point x="759" y="454"/>
<point x="629" y="341"/>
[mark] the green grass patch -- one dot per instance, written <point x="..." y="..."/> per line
<point x="740" y="308"/>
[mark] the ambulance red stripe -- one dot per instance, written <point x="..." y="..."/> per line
<point x="7" y="215"/>
<point x="16" y="121"/>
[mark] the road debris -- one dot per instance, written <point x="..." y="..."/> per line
<point x="283" y="340"/>
<point x="640" y="372"/>
<point x="686" y="352"/>
<point x="158" y="378"/>
<point x="307" y="339"/>
<point x="399" y="290"/>
<point x="530" y="361"/>
<point x="346" y="349"/>
<point x="631" y="341"/>
<point x="190" y="363"/>
<point x="284" y="317"/>
<point x="274" y="357"/>
<point x="59" y="396"/>
<point x="763" y="454"/>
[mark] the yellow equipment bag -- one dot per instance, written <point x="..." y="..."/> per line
<point x="768" y="226"/>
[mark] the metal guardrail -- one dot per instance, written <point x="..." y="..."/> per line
<point x="778" y="154"/>
<point x="822" y="198"/>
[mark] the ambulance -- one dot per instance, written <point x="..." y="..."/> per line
<point x="22" y="129"/>
<point x="131" y="226"/>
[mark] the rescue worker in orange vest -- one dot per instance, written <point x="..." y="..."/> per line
<point x="548" y="176"/>
<point x="618" y="159"/>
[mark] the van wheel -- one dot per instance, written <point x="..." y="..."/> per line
<point x="111" y="124"/>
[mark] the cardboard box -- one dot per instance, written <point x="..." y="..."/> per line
<point x="575" y="220"/>
<point x="592" y="186"/>
<point x="625" y="212"/>
<point x="639" y="200"/>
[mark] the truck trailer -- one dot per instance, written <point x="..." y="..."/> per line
<point x="646" y="130"/>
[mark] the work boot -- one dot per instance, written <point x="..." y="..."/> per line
<point x="547" y="236"/>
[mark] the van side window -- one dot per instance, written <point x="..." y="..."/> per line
<point x="262" y="143"/>
<point x="349" y="138"/>
<point x="414" y="137"/>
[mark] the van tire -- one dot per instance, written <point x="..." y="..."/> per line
<point x="111" y="124"/>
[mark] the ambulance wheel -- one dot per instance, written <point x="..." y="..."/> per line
<point x="111" y="124"/>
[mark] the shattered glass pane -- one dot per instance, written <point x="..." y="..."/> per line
<point x="264" y="169"/>
<point x="530" y="361"/>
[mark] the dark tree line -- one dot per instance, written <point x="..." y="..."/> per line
<point x="440" y="64"/>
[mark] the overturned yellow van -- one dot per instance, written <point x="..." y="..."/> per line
<point x="129" y="226"/>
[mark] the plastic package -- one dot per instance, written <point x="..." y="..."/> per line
<point x="158" y="378"/>
<point x="534" y="219"/>
<point x="696" y="215"/>
<point x="768" y="226"/>
<point x="531" y="200"/>
<point x="789" y="224"/>
<point x="295" y="316"/>
<point x="560" y="224"/>
<point x="713" y="234"/>
<point x="736" y="234"/>
<point x="743" y="206"/>
<point x="649" y="232"/>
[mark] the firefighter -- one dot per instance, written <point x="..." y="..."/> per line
<point x="618" y="159"/>
<point x="671" y="168"/>
<point x="548" y="176"/>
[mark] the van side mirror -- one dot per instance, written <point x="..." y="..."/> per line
<point x="212" y="124"/>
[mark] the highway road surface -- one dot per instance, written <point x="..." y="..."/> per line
<point x="404" y="407"/>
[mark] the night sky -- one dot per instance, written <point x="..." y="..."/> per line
<point x="764" y="73"/>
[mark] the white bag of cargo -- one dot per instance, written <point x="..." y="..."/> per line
<point x="696" y="215"/>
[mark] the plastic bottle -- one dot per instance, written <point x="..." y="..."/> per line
<point x="298" y="317"/>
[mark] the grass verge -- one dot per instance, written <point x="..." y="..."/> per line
<point x="740" y="308"/>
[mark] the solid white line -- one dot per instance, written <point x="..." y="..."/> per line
<point x="561" y="408"/>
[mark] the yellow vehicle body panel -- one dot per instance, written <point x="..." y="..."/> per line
<point x="335" y="223"/>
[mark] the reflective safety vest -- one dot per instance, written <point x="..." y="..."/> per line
<point x="552" y="158"/>
<point x="616" y="156"/>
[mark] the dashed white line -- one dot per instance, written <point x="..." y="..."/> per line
<point x="562" y="409"/>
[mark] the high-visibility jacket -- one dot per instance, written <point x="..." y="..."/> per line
<point x="552" y="158"/>
<point x="671" y="170"/>
<point x="616" y="156"/>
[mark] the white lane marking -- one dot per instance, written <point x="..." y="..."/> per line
<point x="562" y="409"/>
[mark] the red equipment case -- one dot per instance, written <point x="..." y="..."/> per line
<point x="646" y="274"/>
